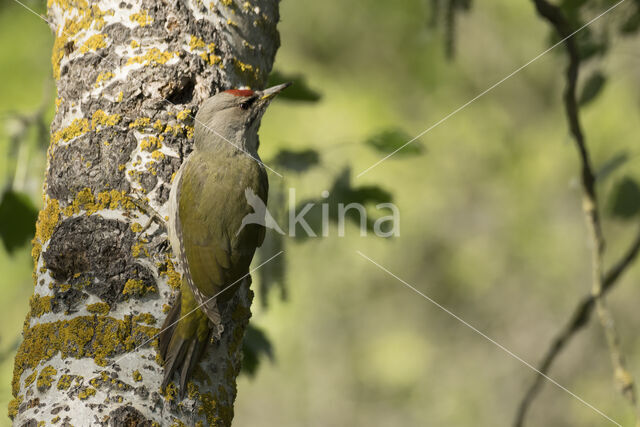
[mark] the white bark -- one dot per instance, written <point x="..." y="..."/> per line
<point x="130" y="76"/>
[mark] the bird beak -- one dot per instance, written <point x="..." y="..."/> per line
<point x="271" y="92"/>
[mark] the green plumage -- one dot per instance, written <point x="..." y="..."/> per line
<point x="207" y="205"/>
<point x="211" y="206"/>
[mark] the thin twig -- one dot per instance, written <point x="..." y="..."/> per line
<point x="579" y="319"/>
<point x="556" y="18"/>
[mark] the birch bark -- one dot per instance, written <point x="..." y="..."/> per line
<point x="130" y="75"/>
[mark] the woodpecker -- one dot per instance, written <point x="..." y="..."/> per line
<point x="207" y="204"/>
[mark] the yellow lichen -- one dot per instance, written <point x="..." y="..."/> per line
<point x="94" y="43"/>
<point x="120" y="97"/>
<point x="64" y="382"/>
<point x="146" y="318"/>
<point x="136" y="227"/>
<point x="151" y="143"/>
<point x="196" y="43"/>
<point x="47" y="221"/>
<point x="45" y="378"/>
<point x="174" y="277"/>
<point x="210" y="58"/>
<point x="157" y="155"/>
<point x="107" y="75"/>
<point x="86" y="393"/>
<point x="140" y="123"/>
<point x="100" y="118"/>
<point x="85" y="200"/>
<point x="249" y="71"/>
<point x="98" y="308"/>
<point x="183" y="115"/>
<point x="88" y="16"/>
<point x="98" y="337"/>
<point x="14" y="404"/>
<point x="138" y="249"/>
<point x="77" y="128"/>
<point x="142" y="18"/>
<point x="39" y="305"/>
<point x="137" y="288"/>
<point x="55" y="419"/>
<point x="170" y="392"/>
<point x="153" y="57"/>
<point x="137" y="376"/>
<point x="30" y="379"/>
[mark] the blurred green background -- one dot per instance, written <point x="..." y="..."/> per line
<point x="491" y="222"/>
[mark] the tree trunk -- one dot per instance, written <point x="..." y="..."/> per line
<point x="129" y="76"/>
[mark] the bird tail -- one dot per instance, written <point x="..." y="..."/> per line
<point x="183" y="340"/>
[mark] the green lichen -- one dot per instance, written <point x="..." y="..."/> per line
<point x="98" y="308"/>
<point x="45" y="379"/>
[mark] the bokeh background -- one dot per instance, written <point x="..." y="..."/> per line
<point x="491" y="222"/>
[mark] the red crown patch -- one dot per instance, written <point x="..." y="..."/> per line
<point x="240" y="92"/>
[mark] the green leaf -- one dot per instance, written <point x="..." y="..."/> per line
<point x="299" y="91"/>
<point x="624" y="202"/>
<point x="17" y="220"/>
<point x="611" y="166"/>
<point x="592" y="88"/>
<point x="298" y="161"/>
<point x="631" y="24"/>
<point x="273" y="274"/>
<point x="341" y="192"/>
<point x="390" y="140"/>
<point x="256" y="346"/>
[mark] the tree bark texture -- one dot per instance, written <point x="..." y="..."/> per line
<point x="130" y="75"/>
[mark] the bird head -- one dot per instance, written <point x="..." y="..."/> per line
<point x="233" y="117"/>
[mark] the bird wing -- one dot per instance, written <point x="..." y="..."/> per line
<point x="211" y="207"/>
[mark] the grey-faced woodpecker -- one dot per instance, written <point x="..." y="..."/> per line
<point x="206" y="206"/>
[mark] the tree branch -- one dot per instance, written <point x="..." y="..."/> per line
<point x="579" y="319"/>
<point x="554" y="15"/>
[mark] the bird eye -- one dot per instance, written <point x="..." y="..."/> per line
<point x="246" y="104"/>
